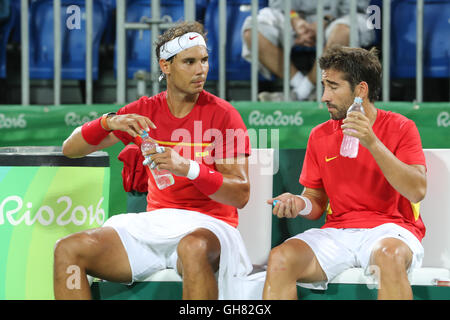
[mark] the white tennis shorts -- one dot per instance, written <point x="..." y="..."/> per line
<point x="151" y="239"/>
<point x="340" y="249"/>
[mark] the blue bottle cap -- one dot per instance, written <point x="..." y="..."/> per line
<point x="358" y="100"/>
<point x="144" y="134"/>
<point x="275" y="202"/>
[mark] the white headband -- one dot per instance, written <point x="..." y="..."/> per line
<point x="186" y="41"/>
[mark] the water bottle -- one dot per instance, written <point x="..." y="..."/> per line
<point x="350" y="145"/>
<point x="163" y="178"/>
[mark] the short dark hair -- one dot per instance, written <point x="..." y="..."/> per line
<point x="178" y="30"/>
<point x="357" y="64"/>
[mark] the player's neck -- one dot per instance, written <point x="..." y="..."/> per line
<point x="370" y="111"/>
<point x="181" y="104"/>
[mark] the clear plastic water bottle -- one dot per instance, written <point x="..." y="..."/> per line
<point x="163" y="178"/>
<point x="350" y="145"/>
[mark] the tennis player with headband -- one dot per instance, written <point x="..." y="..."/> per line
<point x="191" y="225"/>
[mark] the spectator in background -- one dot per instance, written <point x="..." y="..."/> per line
<point x="303" y="29"/>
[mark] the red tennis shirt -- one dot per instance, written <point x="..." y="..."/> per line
<point x="359" y="194"/>
<point x="212" y="130"/>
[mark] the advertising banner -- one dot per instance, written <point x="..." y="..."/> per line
<point x="292" y="122"/>
<point x="40" y="204"/>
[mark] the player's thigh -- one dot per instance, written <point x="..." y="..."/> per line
<point x="99" y="251"/>
<point x="296" y="257"/>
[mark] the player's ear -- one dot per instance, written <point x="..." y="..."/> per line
<point x="165" y="66"/>
<point x="362" y="90"/>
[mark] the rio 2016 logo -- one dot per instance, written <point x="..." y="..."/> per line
<point x="74" y="119"/>
<point x="443" y="119"/>
<point x="277" y="118"/>
<point x="12" y="122"/>
<point x="12" y="209"/>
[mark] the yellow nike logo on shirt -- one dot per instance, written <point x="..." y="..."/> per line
<point x="329" y="159"/>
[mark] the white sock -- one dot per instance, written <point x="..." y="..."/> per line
<point x="296" y="80"/>
<point x="303" y="86"/>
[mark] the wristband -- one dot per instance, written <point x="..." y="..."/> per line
<point x="208" y="180"/>
<point x="308" y="206"/>
<point x="194" y="170"/>
<point x="104" y="123"/>
<point x="93" y="132"/>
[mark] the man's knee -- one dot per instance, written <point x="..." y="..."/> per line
<point x="391" y="255"/>
<point x="198" y="247"/>
<point x="73" y="248"/>
<point x="296" y="260"/>
<point x="284" y="259"/>
<point x="279" y="259"/>
<point x="339" y="35"/>
<point x="247" y="35"/>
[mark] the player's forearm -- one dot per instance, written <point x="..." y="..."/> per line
<point x="408" y="180"/>
<point x="316" y="211"/>
<point x="234" y="191"/>
<point x="228" y="184"/>
<point x="75" y="146"/>
<point x="318" y="205"/>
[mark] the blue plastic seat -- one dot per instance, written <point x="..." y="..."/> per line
<point x="138" y="45"/>
<point x="8" y="17"/>
<point x="5" y="10"/>
<point x="109" y="36"/>
<point x="378" y="33"/>
<point x="15" y="32"/>
<point x="237" y="10"/>
<point x="73" y="40"/>
<point x="436" y="39"/>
